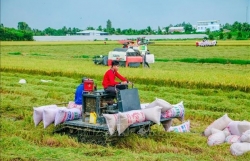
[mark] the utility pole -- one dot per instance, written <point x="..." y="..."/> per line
<point x="247" y="12"/>
<point x="247" y="15"/>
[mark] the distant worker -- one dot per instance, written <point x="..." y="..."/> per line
<point x="145" y="58"/>
<point x="197" y="43"/>
<point x="138" y="41"/>
<point x="78" y="93"/>
<point x="109" y="83"/>
<point x="125" y="45"/>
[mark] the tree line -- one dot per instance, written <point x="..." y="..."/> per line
<point x="237" y="30"/>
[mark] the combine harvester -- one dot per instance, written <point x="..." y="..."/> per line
<point x="93" y="126"/>
<point x="131" y="55"/>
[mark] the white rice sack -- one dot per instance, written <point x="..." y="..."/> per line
<point x="243" y="126"/>
<point x="216" y="139"/>
<point x="73" y="105"/>
<point x="185" y="127"/>
<point x="233" y="128"/>
<point x="126" y="119"/>
<point x="38" y="113"/>
<point x="22" y="81"/>
<point x="73" y="114"/>
<point x="239" y="148"/>
<point x="213" y="130"/>
<point x="49" y="115"/>
<point x="152" y="104"/>
<point x="177" y="111"/>
<point x="167" y="124"/>
<point x="65" y="114"/>
<point x="162" y="103"/>
<point x="226" y="131"/>
<point x="245" y="137"/>
<point x="111" y="120"/>
<point x="232" y="139"/>
<point x="220" y="124"/>
<point x="153" y="114"/>
<point x="143" y="105"/>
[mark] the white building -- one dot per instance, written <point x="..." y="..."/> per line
<point x="176" y="29"/>
<point x="91" y="32"/>
<point x="213" y="25"/>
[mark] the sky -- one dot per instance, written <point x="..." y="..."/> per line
<point x="123" y="14"/>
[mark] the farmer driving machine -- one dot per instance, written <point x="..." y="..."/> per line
<point x="93" y="126"/>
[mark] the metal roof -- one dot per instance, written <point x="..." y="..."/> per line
<point x="90" y="31"/>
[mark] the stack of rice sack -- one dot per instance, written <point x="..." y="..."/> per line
<point x="177" y="111"/>
<point x="150" y="112"/>
<point x="73" y="105"/>
<point x="121" y="121"/>
<point x="225" y="130"/>
<point x="53" y="114"/>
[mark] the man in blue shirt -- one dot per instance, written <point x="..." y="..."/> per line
<point x="78" y="93"/>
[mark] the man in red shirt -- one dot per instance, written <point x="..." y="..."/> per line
<point x="109" y="83"/>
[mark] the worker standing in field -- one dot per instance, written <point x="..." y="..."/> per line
<point x="145" y="58"/>
<point x="109" y="83"/>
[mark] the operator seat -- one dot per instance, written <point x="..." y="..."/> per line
<point x="113" y="95"/>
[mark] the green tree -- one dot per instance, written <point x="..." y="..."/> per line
<point x="188" y="28"/>
<point x="227" y="26"/>
<point x="11" y="34"/>
<point x="245" y="27"/>
<point x="149" y="30"/>
<point x="23" y="26"/>
<point x="208" y="31"/>
<point x="166" y="29"/>
<point x="229" y="35"/>
<point x="118" y="31"/>
<point x="37" y="32"/>
<point x="109" y="26"/>
<point x="221" y="36"/>
<point x="112" y="30"/>
<point x="69" y="31"/>
<point x="90" y="28"/>
<point x="50" y="31"/>
<point x="236" y="26"/>
<point x="75" y="30"/>
<point x="99" y="28"/>
<point x="239" y="35"/>
<point x="27" y="36"/>
<point x="63" y="31"/>
<point x="159" y="32"/>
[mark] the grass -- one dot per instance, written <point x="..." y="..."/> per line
<point x="14" y="53"/>
<point x="208" y="90"/>
<point x="228" y="77"/>
<point x="208" y="60"/>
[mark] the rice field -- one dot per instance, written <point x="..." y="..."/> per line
<point x="208" y="90"/>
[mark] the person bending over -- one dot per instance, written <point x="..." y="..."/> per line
<point x="109" y="82"/>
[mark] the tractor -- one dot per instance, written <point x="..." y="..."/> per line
<point x="99" y="102"/>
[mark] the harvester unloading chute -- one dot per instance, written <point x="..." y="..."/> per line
<point x="124" y="41"/>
